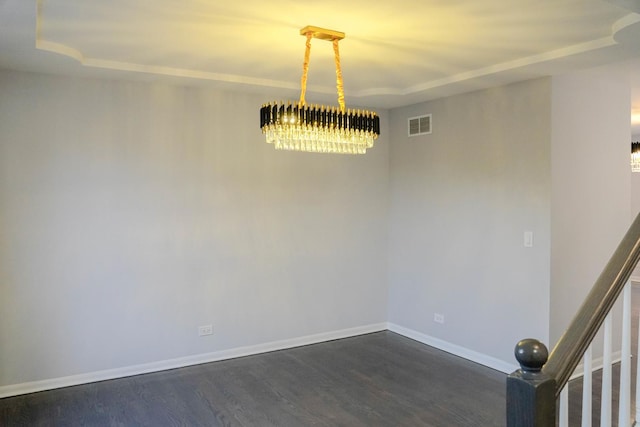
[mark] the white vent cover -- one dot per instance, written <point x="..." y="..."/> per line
<point x="420" y="125"/>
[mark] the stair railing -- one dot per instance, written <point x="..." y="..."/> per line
<point x="534" y="389"/>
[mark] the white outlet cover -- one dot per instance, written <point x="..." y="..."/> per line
<point x="205" y="330"/>
<point x="528" y="239"/>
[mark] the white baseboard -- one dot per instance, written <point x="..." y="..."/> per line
<point x="596" y="364"/>
<point x="465" y="353"/>
<point x="109" y="374"/>
<point x="483" y="359"/>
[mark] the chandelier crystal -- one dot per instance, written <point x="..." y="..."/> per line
<point x="635" y="157"/>
<point x="297" y="126"/>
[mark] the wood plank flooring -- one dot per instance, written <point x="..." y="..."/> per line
<point x="380" y="379"/>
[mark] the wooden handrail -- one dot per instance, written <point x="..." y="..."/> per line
<point x="532" y="390"/>
<point x="569" y="350"/>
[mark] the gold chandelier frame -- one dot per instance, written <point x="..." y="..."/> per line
<point x="298" y="126"/>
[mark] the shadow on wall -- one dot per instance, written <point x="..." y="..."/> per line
<point x="635" y="202"/>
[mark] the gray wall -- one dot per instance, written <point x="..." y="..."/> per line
<point x="130" y="214"/>
<point x="461" y="199"/>
<point x="590" y="182"/>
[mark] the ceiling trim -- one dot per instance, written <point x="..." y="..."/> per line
<point x="75" y="54"/>
<point x="621" y="30"/>
<point x="512" y="65"/>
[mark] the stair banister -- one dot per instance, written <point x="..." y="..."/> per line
<point x="532" y="390"/>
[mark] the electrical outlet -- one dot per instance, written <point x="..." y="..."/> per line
<point x="205" y="330"/>
<point x="438" y="318"/>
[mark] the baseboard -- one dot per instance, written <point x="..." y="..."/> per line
<point x="53" y="383"/>
<point x="110" y="374"/>
<point x="465" y="353"/>
<point x="596" y="364"/>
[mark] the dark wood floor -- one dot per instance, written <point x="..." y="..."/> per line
<point x="380" y="379"/>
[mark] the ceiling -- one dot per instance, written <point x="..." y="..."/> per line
<point x="394" y="54"/>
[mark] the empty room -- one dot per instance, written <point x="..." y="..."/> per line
<point x="338" y="213"/>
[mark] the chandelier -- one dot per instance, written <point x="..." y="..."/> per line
<point x="299" y="126"/>
<point x="635" y="157"/>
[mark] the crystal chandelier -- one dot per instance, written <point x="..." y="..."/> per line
<point x="635" y="157"/>
<point x="298" y="126"/>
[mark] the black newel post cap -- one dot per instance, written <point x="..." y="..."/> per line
<point x="531" y="354"/>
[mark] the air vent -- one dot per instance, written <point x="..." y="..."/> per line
<point x="420" y="125"/>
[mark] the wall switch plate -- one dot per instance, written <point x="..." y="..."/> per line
<point x="438" y="318"/>
<point x="528" y="239"/>
<point x="205" y="330"/>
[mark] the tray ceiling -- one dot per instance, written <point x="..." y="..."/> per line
<point x="395" y="53"/>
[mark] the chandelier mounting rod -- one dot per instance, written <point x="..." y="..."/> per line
<point x="323" y="34"/>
